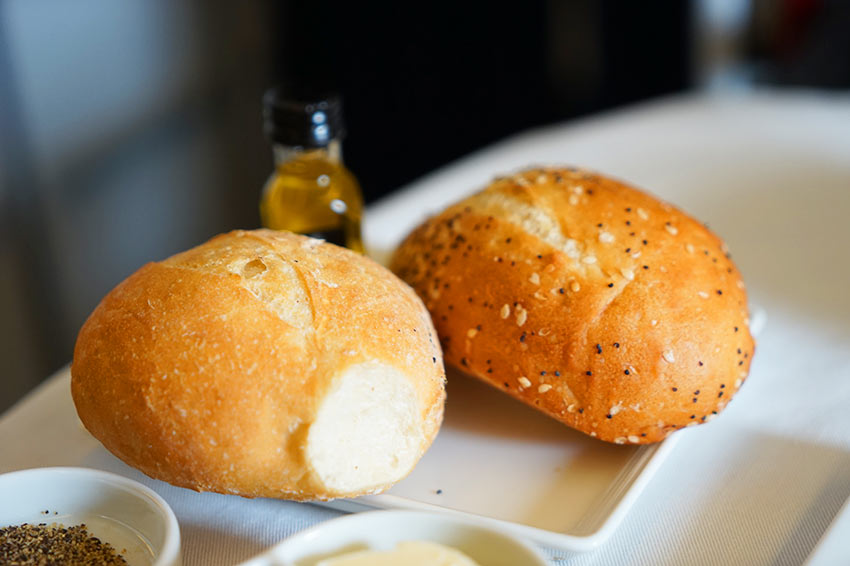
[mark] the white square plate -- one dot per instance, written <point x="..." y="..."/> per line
<point x="497" y="459"/>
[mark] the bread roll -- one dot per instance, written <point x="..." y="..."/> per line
<point x="594" y="302"/>
<point x="262" y="364"/>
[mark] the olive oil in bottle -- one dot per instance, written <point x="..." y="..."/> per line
<point x="310" y="192"/>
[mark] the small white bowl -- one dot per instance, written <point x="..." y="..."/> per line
<point x="382" y="530"/>
<point x="136" y="521"/>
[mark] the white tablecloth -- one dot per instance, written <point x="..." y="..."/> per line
<point x="770" y="172"/>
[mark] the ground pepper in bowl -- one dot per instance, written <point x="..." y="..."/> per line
<point x="49" y="545"/>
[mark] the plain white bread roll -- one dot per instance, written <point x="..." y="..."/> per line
<point x="266" y="364"/>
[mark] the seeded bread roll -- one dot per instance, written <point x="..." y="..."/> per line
<point x="262" y="364"/>
<point x="596" y="303"/>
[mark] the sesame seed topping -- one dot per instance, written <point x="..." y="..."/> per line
<point x="636" y="255"/>
<point x="668" y="356"/>
<point x="535" y="278"/>
<point x="573" y="200"/>
<point x="610" y="285"/>
<point x="703" y="294"/>
<point x="615" y="409"/>
<point x="606" y="237"/>
<point x="627" y="273"/>
<point x="627" y="372"/>
<point x="671" y="229"/>
<point x="506" y="311"/>
<point x="598" y="349"/>
<point x="689" y="248"/>
<point x="620" y="440"/>
<point x="471" y="333"/>
<point x="571" y="408"/>
<point x="634" y="439"/>
<point x="644" y="215"/>
<point x="544" y="387"/>
<point x="561" y="290"/>
<point x="524" y="381"/>
<point x="575" y="287"/>
<point x="588" y="259"/>
<point x="588" y="373"/>
<point x="738" y="383"/>
<point x="521" y="316"/>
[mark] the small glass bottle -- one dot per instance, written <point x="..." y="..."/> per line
<point x="310" y="192"/>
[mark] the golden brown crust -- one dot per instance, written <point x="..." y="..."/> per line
<point x="205" y="370"/>
<point x="598" y="304"/>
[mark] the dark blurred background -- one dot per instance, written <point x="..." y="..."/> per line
<point x="132" y="129"/>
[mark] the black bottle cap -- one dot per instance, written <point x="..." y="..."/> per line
<point x="302" y="118"/>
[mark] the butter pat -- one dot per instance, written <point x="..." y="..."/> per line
<point x="408" y="553"/>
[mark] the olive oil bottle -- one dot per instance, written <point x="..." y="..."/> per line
<point x="310" y="192"/>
